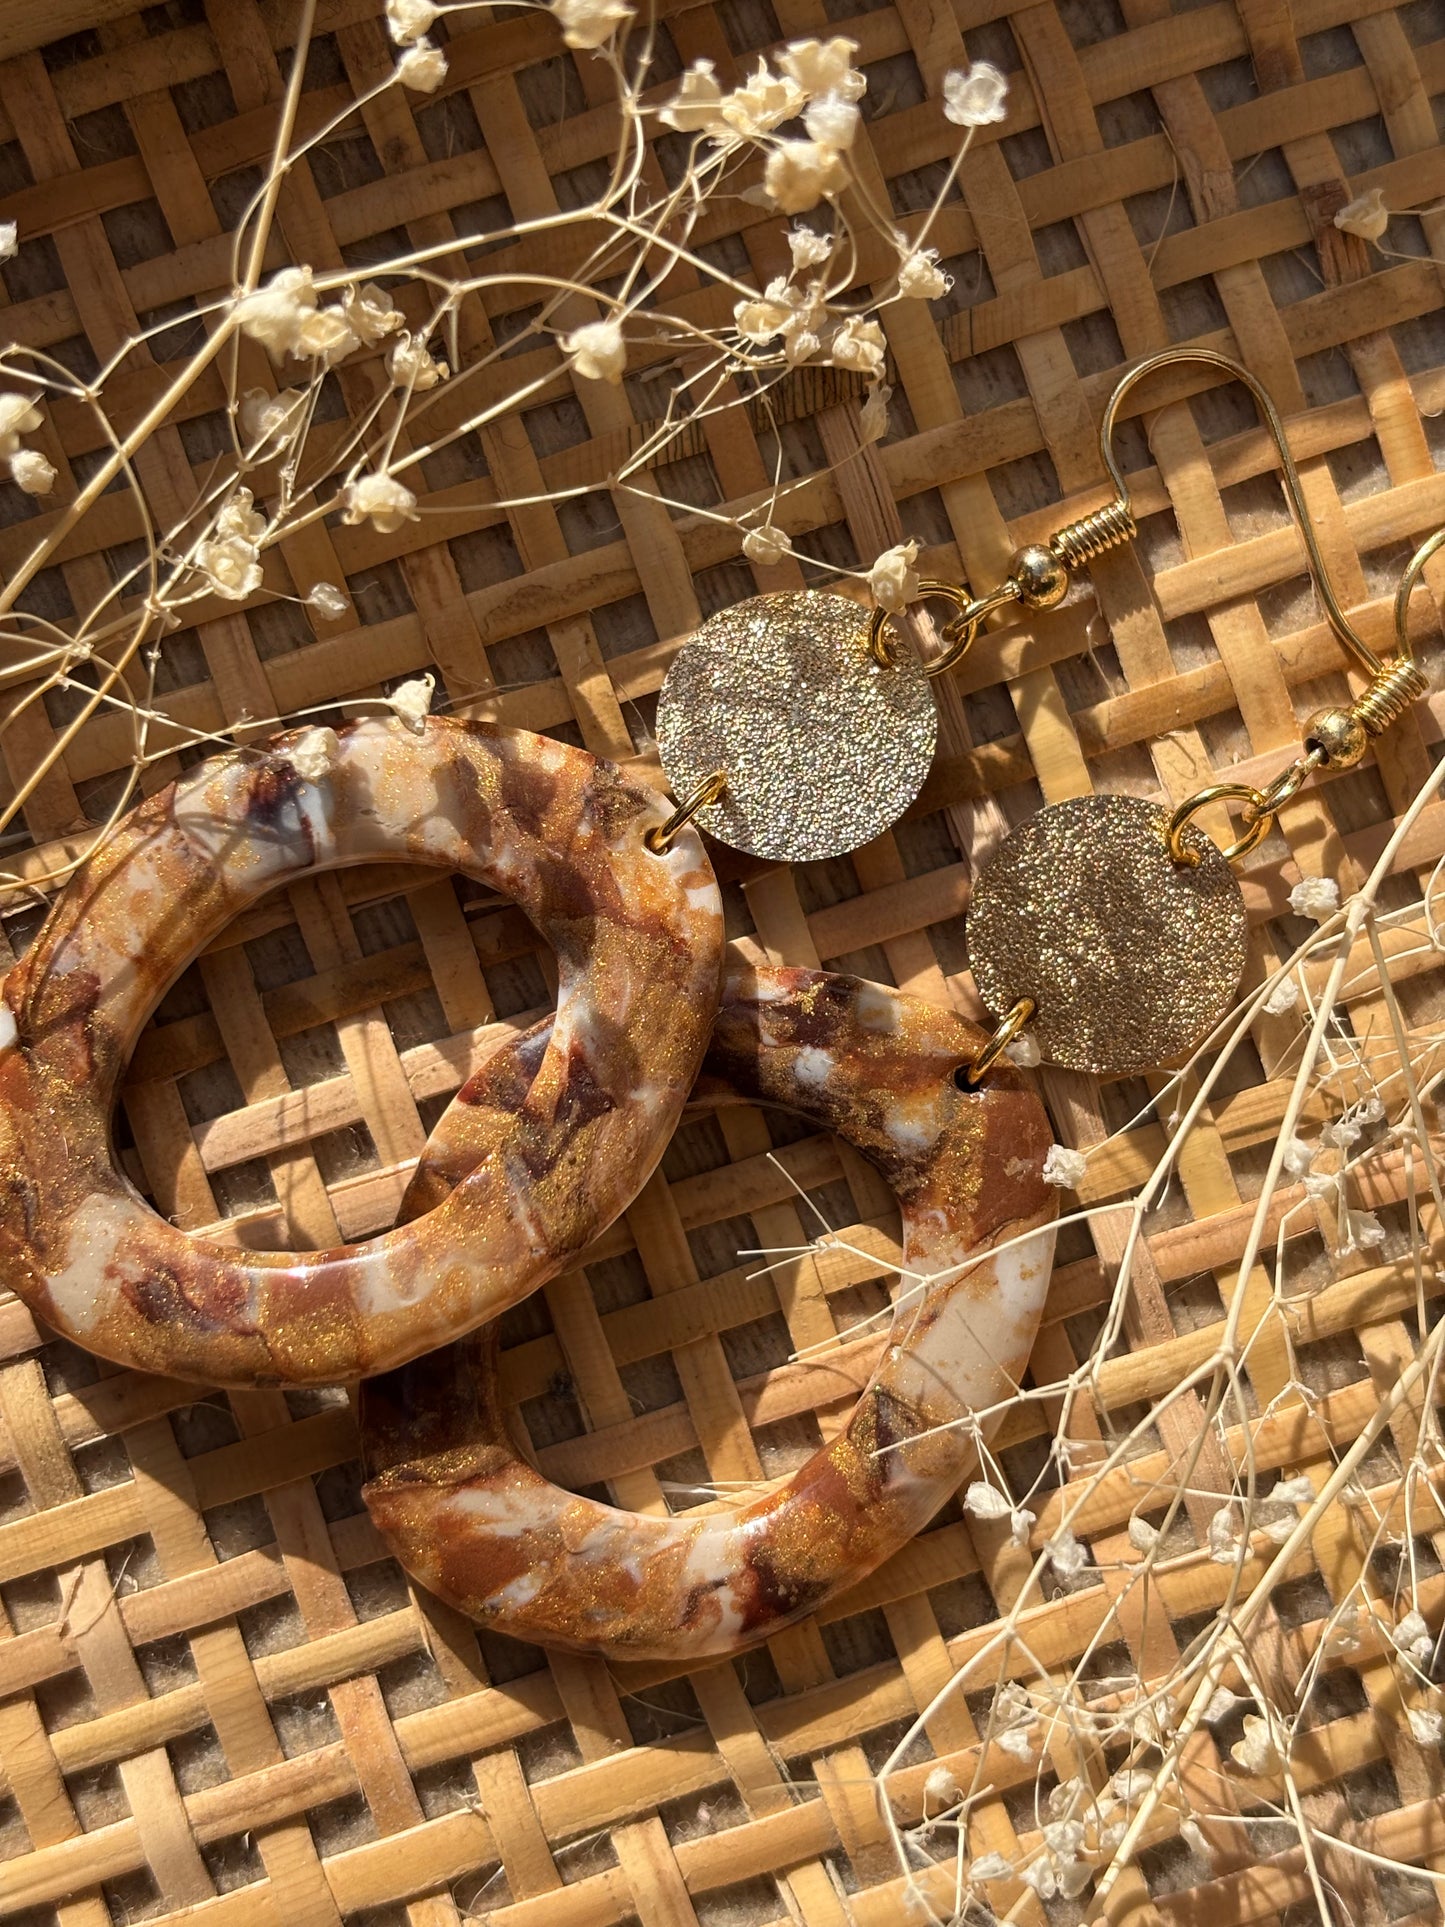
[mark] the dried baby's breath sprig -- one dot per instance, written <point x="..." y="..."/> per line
<point x="785" y="138"/>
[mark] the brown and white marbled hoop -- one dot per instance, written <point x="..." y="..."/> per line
<point x="466" y="1514"/>
<point x="638" y="940"/>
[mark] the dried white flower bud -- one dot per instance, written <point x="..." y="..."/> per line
<point x="975" y="96"/>
<point x="411" y="701"/>
<point x="408" y="20"/>
<point x="1052" y="1878"/>
<point x="1142" y="1536"/>
<point x="597" y="351"/>
<point x="273" y="315"/>
<point x="9" y="1030"/>
<point x="1015" y="1741"/>
<point x="799" y="173"/>
<point x="1317" y="897"/>
<point x="761" y="104"/>
<point x="759" y="321"/>
<point x="1131" y="1784"/>
<point x="893" y="580"/>
<point x="941" y="1788"/>
<point x="313" y="755"/>
<point x="1296" y="1491"/>
<point x="694" y="108"/>
<point x="859" y="345"/>
<point x="1066" y="1555"/>
<point x="873" y="416"/>
<point x="985" y="1501"/>
<point x="423" y="68"/>
<point x="990" y="1866"/>
<point x="765" y="545"/>
<point x="808" y="250"/>
<point x="238" y="517"/>
<point x="587" y="23"/>
<point x="1256" y="1752"/>
<point x="1283" y="997"/>
<point x="832" y="121"/>
<point x="8" y="241"/>
<point x="18" y="416"/>
<point x="324" y="334"/>
<point x="271" y="419"/>
<point x="1024" y="1052"/>
<point x="824" y="67"/>
<point x="921" y="278"/>
<point x="327" y="600"/>
<point x="369" y="314"/>
<point x="1298" y="1157"/>
<point x="1342" y="1631"/>
<point x="1223" y="1537"/>
<point x="1366" y="1231"/>
<point x="1021" y="1523"/>
<point x="381" y="500"/>
<point x="410" y="365"/>
<point x="32" y="472"/>
<point x="1064" y="1167"/>
<point x="1426" y="1725"/>
<point x="1412" y="1636"/>
<point x="1366" y="215"/>
<point x="230" y="567"/>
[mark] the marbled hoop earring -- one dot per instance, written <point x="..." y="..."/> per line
<point x="638" y="938"/>
<point x="466" y="1514"/>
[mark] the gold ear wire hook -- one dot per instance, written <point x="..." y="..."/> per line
<point x="1408" y="583"/>
<point x="1038" y="579"/>
<point x="1293" y="488"/>
<point x="1336" y="737"/>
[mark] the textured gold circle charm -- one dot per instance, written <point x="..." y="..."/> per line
<point x="1130" y="957"/>
<point x="822" y="746"/>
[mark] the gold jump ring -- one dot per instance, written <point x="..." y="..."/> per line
<point x="661" y="837"/>
<point x="1258" y="817"/>
<point x="958" y="634"/>
<point x="1008" y="1028"/>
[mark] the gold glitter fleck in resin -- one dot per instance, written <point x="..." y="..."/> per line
<point x="1130" y="957"/>
<point x="823" y="749"/>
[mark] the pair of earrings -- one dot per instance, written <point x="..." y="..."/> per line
<point x="1110" y="928"/>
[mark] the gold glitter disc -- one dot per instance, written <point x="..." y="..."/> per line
<point x="823" y="748"/>
<point x="1130" y="957"/>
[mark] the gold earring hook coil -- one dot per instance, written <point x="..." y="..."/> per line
<point x="661" y="837"/>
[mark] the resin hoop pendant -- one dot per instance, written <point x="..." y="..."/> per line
<point x="638" y="940"/>
<point x="469" y="1518"/>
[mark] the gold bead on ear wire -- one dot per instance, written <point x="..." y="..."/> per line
<point x="1339" y="735"/>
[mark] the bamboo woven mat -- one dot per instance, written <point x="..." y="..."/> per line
<point x="221" y="1701"/>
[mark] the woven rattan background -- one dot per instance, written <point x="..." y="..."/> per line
<point x="221" y="1703"/>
